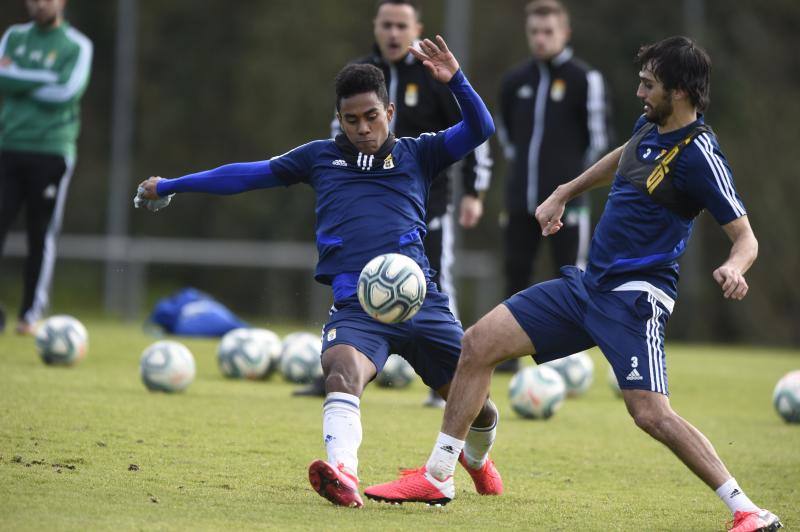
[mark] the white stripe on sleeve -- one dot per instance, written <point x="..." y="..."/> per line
<point x="720" y="174"/>
<point x="64" y="92"/>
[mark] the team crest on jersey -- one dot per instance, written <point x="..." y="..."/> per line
<point x="411" y="98"/>
<point x="558" y="89"/>
<point x="50" y="59"/>
<point x="525" y="92"/>
<point x="388" y="163"/>
<point x="332" y="335"/>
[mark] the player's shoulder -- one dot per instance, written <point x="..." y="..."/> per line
<point x="310" y="149"/>
<point x="579" y="66"/>
<point x="77" y="37"/>
<point x="19" y="28"/>
<point x="519" y="73"/>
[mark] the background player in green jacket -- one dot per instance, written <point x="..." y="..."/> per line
<point x="44" y="70"/>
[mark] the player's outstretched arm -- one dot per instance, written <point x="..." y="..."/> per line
<point x="550" y="211"/>
<point x="229" y="179"/>
<point x="730" y="276"/>
<point x="437" y="58"/>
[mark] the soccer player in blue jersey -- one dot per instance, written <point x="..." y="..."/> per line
<point x="662" y="178"/>
<point x="371" y="192"/>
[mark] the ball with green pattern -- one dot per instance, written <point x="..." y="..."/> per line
<point x="786" y="397"/>
<point x="167" y="366"/>
<point x="391" y="288"/>
<point x="62" y="340"/>
<point x="536" y="392"/>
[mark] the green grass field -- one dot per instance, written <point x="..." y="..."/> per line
<point x="233" y="455"/>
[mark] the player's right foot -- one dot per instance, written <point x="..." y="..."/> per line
<point x="25" y="329"/>
<point x="334" y="484"/>
<point x="414" y="485"/>
<point x="762" y="520"/>
<point x="487" y="479"/>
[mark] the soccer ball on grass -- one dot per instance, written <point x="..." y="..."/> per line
<point x="786" y="397"/>
<point x="391" y="288"/>
<point x="167" y="366"/>
<point x="300" y="358"/>
<point x="396" y="373"/>
<point x="248" y="353"/>
<point x="536" y="392"/>
<point x="577" y="371"/>
<point x="62" y="340"/>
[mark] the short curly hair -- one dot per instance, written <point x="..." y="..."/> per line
<point x="360" y="79"/>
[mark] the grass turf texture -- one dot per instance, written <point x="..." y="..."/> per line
<point x="234" y="454"/>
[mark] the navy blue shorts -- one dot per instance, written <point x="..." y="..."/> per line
<point x="564" y="316"/>
<point x="430" y="341"/>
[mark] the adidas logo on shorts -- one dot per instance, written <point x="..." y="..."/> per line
<point x="634" y="376"/>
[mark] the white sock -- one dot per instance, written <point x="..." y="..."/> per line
<point x="478" y="444"/>
<point x="341" y="430"/>
<point x="732" y="495"/>
<point x="442" y="463"/>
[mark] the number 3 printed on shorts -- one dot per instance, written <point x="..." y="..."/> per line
<point x="634" y="362"/>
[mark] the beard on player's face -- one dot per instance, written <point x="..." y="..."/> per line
<point x="658" y="112"/>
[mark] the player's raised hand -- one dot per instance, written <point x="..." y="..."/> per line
<point x="731" y="281"/>
<point x="437" y="58"/>
<point x="549" y="214"/>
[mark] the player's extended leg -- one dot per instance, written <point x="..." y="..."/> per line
<point x="346" y="372"/>
<point x="496" y="337"/>
<point x="652" y="412"/>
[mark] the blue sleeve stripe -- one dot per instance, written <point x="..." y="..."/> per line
<point x="721" y="175"/>
<point x="229" y="179"/>
<point x="476" y="125"/>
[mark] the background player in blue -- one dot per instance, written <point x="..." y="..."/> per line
<point x="670" y="169"/>
<point x="371" y="192"/>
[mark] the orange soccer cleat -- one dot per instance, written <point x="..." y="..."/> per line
<point x="487" y="479"/>
<point x="761" y="520"/>
<point x="414" y="485"/>
<point x="334" y="484"/>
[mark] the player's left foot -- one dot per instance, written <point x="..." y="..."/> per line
<point x="762" y="520"/>
<point x="414" y="485"/>
<point x="334" y="484"/>
<point x="25" y="329"/>
<point x="487" y="479"/>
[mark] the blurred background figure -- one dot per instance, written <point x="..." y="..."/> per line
<point x="44" y="70"/>
<point x="553" y="124"/>
<point x="422" y="106"/>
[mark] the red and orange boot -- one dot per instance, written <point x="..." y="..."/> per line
<point x="335" y="484"/>
<point x="414" y="485"/>
<point x="487" y="479"/>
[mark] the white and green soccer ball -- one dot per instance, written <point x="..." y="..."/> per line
<point x="396" y="373"/>
<point x="248" y="353"/>
<point x="391" y="288"/>
<point x="536" y="392"/>
<point x="62" y="340"/>
<point x="613" y="383"/>
<point x="300" y="358"/>
<point x="786" y="397"/>
<point x="167" y="366"/>
<point x="577" y="371"/>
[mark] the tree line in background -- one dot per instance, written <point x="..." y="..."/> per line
<point x="219" y="82"/>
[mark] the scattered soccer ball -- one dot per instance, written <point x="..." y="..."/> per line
<point x="537" y="392"/>
<point x="62" y="340"/>
<point x="577" y="371"/>
<point x="248" y="353"/>
<point x="167" y="366"/>
<point x="396" y="373"/>
<point x="786" y="397"/>
<point x="391" y="288"/>
<point x="300" y="358"/>
<point x="613" y="383"/>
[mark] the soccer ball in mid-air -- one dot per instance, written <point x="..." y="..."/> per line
<point x="613" y="383"/>
<point x="396" y="373"/>
<point x="577" y="371"/>
<point x="786" y="397"/>
<point x="248" y="353"/>
<point x="62" y="340"/>
<point x="536" y="392"/>
<point x="391" y="288"/>
<point x="167" y="366"/>
<point x="300" y="358"/>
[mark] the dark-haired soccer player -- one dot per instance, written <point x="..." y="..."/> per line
<point x="662" y="178"/>
<point x="371" y="191"/>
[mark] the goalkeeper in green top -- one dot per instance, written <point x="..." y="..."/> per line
<point x="44" y="70"/>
